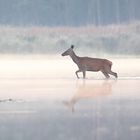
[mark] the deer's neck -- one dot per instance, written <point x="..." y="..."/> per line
<point x="74" y="57"/>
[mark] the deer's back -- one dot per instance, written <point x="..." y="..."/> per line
<point x="93" y="64"/>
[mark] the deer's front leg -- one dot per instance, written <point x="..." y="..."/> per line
<point x="84" y="74"/>
<point x="77" y="73"/>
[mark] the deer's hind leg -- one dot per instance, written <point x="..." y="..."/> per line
<point x="109" y="71"/>
<point x="105" y="74"/>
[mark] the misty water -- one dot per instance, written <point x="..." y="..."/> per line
<point x="41" y="98"/>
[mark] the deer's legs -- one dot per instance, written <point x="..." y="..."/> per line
<point x="105" y="74"/>
<point x="113" y="73"/>
<point x="84" y="74"/>
<point x="77" y="73"/>
<point x="109" y="71"/>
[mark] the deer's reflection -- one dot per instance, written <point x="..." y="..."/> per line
<point x="89" y="91"/>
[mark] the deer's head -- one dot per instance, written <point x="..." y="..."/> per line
<point x="69" y="51"/>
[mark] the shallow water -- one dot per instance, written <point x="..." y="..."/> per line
<point x="42" y="99"/>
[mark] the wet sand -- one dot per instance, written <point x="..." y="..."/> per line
<point x="41" y="99"/>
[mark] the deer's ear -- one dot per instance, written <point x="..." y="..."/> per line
<point x="72" y="46"/>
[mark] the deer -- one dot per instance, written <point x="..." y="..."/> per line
<point x="90" y="64"/>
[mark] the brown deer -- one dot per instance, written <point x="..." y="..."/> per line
<point x="90" y="64"/>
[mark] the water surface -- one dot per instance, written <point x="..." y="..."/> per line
<point x="42" y="99"/>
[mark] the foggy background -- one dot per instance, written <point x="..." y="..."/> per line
<point x="51" y="26"/>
